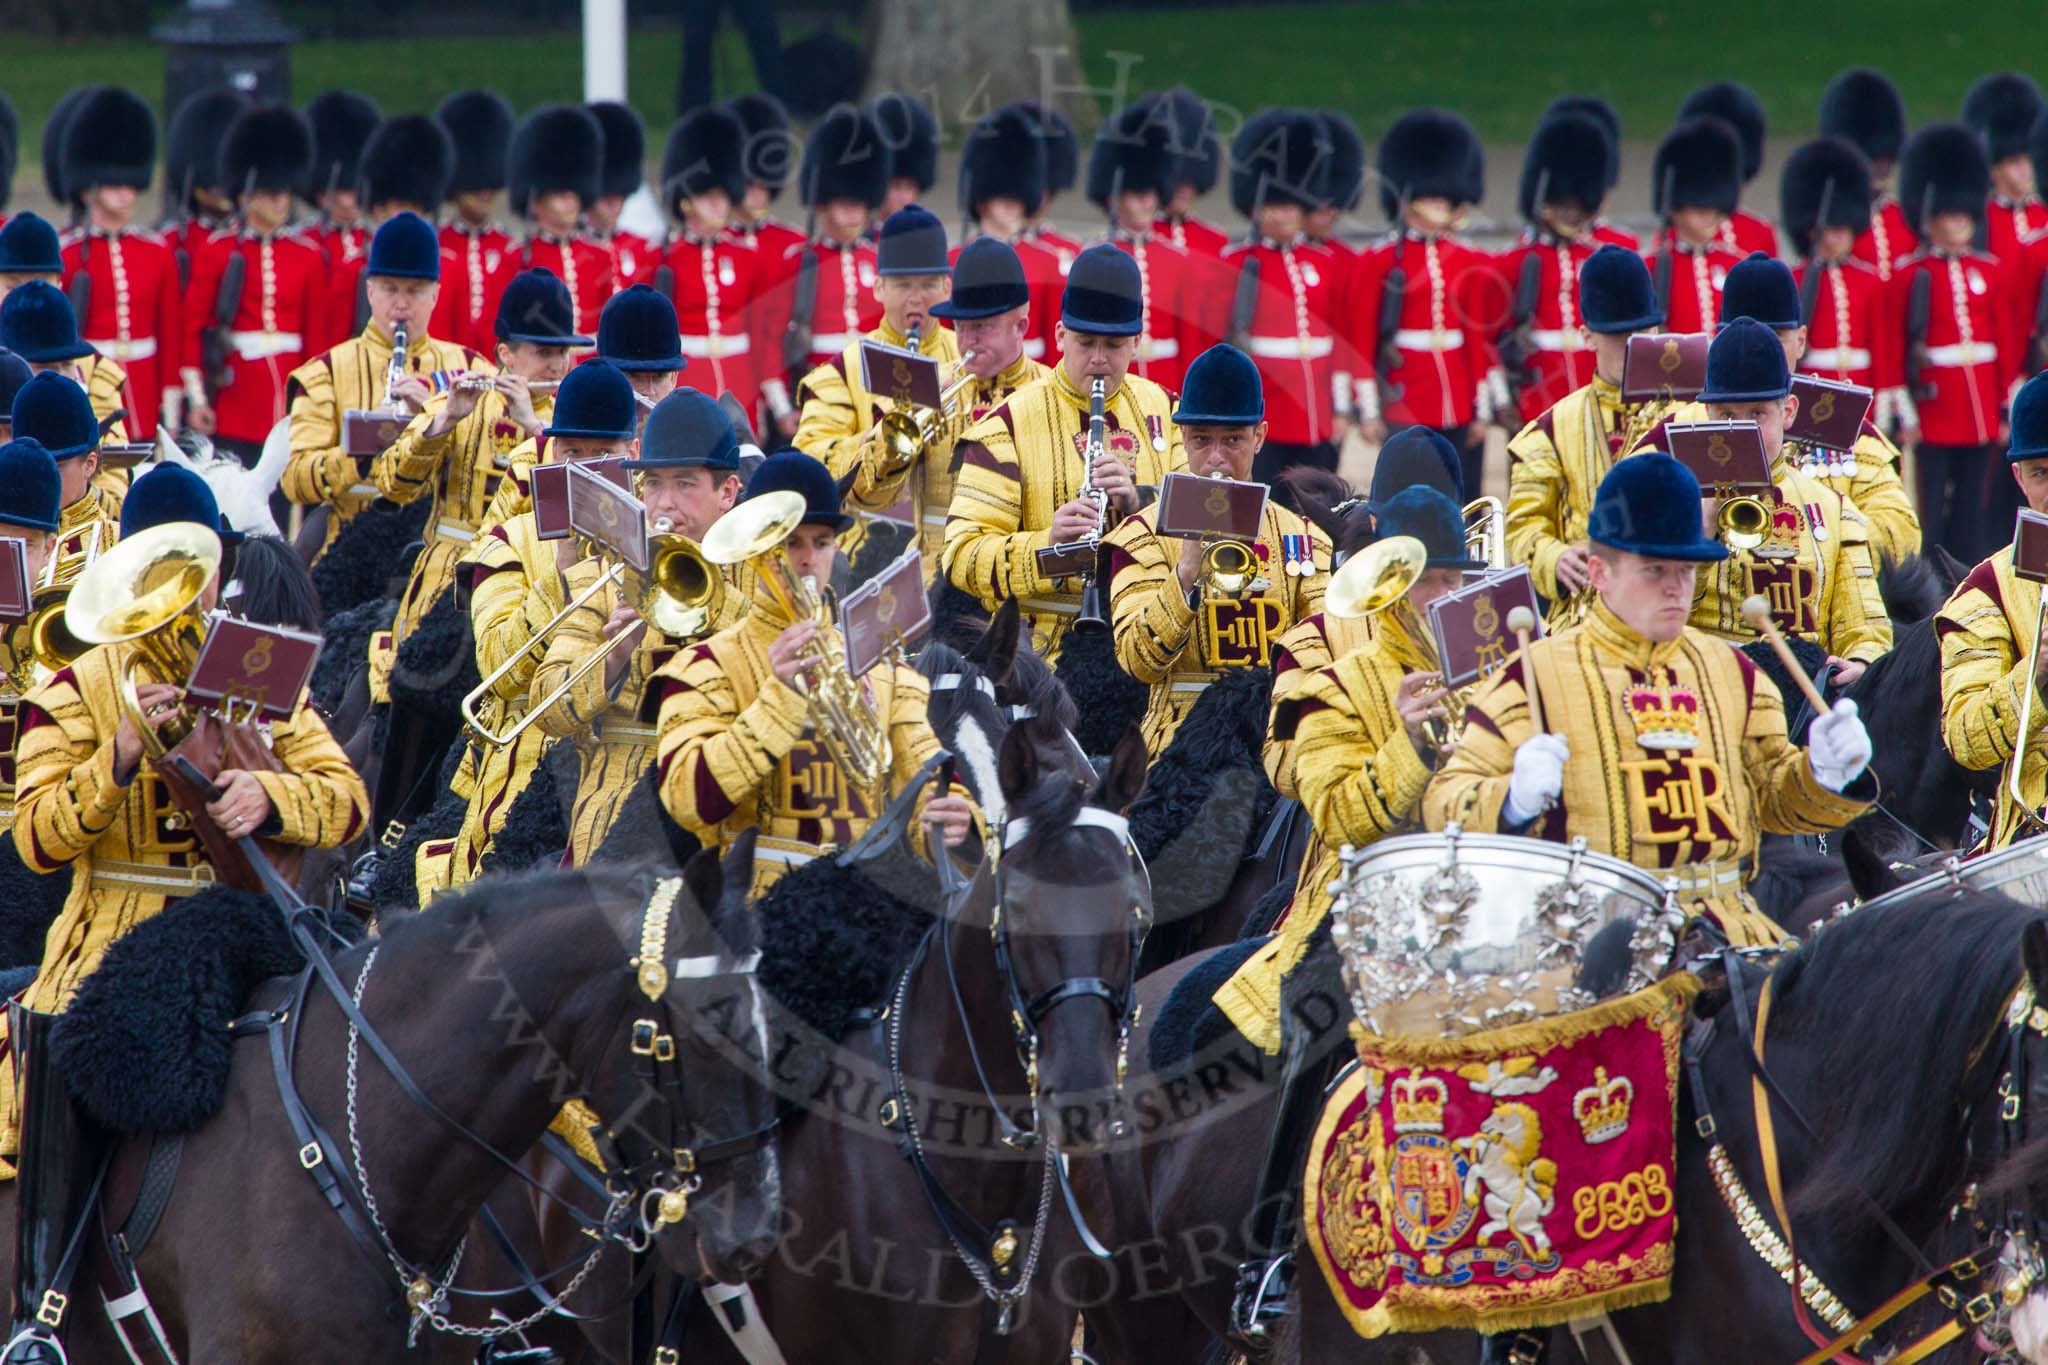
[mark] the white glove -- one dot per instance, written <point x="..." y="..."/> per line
<point x="1838" y="747"/>
<point x="1538" y="779"/>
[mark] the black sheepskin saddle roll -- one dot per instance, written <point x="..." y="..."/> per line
<point x="643" y="829"/>
<point x="145" y="1046"/>
<point x="1110" y="701"/>
<point x="1207" y="796"/>
<point x="832" y="940"/>
<point x="368" y="553"/>
<point x="29" y="905"/>
<point x="436" y="665"/>
<point x="1189" y="1023"/>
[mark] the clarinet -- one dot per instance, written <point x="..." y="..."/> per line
<point x="393" y="377"/>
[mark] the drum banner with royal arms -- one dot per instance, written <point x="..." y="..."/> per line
<point x="1515" y="1178"/>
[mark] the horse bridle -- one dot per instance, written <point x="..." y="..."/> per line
<point x="1027" y="1015"/>
<point x="1967" y="1308"/>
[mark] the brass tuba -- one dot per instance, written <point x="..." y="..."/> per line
<point x="753" y="533"/>
<point x="147" y="590"/>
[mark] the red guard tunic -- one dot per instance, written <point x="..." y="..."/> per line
<point x="633" y="257"/>
<point x="1444" y="340"/>
<point x="1173" y="335"/>
<point x="1292" y="337"/>
<point x="1562" y="362"/>
<point x="1973" y="346"/>
<point x="717" y="280"/>
<point x="136" y="314"/>
<point x="467" y="290"/>
<point x="2009" y="222"/>
<point x="844" y="308"/>
<point x="1743" y="232"/>
<point x="1888" y="240"/>
<point x="1697" y="274"/>
<point x="1194" y="235"/>
<point x="582" y="265"/>
<point x="1852" y="335"/>
<point x="1607" y="234"/>
<point x="280" y="313"/>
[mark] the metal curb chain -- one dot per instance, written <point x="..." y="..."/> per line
<point x="431" y="1310"/>
<point x="1014" y="1295"/>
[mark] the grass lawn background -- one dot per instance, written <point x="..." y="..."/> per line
<point x="1496" y="61"/>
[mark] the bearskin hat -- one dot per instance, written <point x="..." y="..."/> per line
<point x="706" y="151"/>
<point x="1195" y="140"/>
<point x="1567" y="159"/>
<point x="2037" y="149"/>
<point x="342" y="122"/>
<point x="1003" y="158"/>
<point x="267" y="147"/>
<point x="912" y="136"/>
<point x="1826" y="184"/>
<point x="1347" y="159"/>
<point x="1133" y="151"/>
<point x="1602" y="113"/>
<point x="1944" y="169"/>
<point x="1737" y="107"/>
<point x="10" y="147"/>
<point x="771" y="148"/>
<point x="556" y="147"/>
<point x="2001" y="109"/>
<point x="408" y="160"/>
<point x="1062" y="147"/>
<point x="192" y="154"/>
<point x="845" y="158"/>
<point x="625" y="148"/>
<point x="1863" y="107"/>
<point x="53" y="139"/>
<point x="1698" y="165"/>
<point x="1280" y="156"/>
<point x="821" y="71"/>
<point x="1430" y="154"/>
<point x="110" y="139"/>
<point x="480" y="124"/>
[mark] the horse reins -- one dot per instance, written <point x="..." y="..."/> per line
<point x="1948" y="1282"/>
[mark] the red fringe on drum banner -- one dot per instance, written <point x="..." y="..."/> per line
<point x="1512" y="1179"/>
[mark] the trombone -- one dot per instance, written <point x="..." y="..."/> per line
<point x="753" y="532"/>
<point x="679" y="595"/>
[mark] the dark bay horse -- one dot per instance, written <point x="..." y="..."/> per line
<point x="926" y="1164"/>
<point x="501" y="1003"/>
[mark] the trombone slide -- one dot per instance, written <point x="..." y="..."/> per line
<point x="483" y="733"/>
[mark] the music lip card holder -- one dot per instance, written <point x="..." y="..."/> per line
<point x="1195" y="508"/>
<point x="1470" y="625"/>
<point x="2030" y="546"/>
<point x="248" y="671"/>
<point x="16" y="596"/>
<point x="367" y="433"/>
<point x="1829" y="420"/>
<point x="550" y="483"/>
<point x="888" y="611"/>
<point x="901" y="376"/>
<point x="126" y="456"/>
<point x="1669" y="367"/>
<point x="1726" y="457"/>
<point x="601" y="511"/>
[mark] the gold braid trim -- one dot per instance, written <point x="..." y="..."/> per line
<point x="1656" y="1004"/>
<point x="651" y="966"/>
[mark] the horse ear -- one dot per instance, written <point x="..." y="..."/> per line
<point x="736" y="871"/>
<point x="1870" y="871"/>
<point x="2034" y="953"/>
<point x="1125" y="780"/>
<point x="705" y="880"/>
<point x="1017" y="764"/>
<point x="995" y="653"/>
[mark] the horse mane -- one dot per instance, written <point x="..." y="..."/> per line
<point x="275" y="588"/>
<point x="1033" y="683"/>
<point x="1913" y="589"/>
<point x="1906" y="668"/>
<point x="1872" y="1076"/>
<point x="1322" y="497"/>
<point x="1051" y="805"/>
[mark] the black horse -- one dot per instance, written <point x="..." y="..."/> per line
<point x="501" y="1003"/>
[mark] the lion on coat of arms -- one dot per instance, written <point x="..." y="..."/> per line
<point x="1513" y="1184"/>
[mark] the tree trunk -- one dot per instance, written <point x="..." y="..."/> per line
<point x="967" y="58"/>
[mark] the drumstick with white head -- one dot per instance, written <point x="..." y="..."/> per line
<point x="1522" y="622"/>
<point x="1758" y="613"/>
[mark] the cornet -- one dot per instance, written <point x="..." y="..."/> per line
<point x="1743" y="522"/>
<point x="1228" y="570"/>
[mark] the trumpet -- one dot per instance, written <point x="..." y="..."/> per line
<point x="907" y="429"/>
<point x="753" y="533"/>
<point x="44" y="643"/>
<point x="1228" y="570"/>
<point x="679" y="595"/>
<point x="147" y="590"/>
<point x="1743" y="522"/>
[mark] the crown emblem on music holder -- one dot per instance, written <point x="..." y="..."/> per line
<point x="1419" y="1104"/>
<point x="1485" y="616"/>
<point x="1666" y="717"/>
<point x="1602" y="1107"/>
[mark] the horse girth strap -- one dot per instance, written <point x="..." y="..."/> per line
<point x="1963" y="1271"/>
